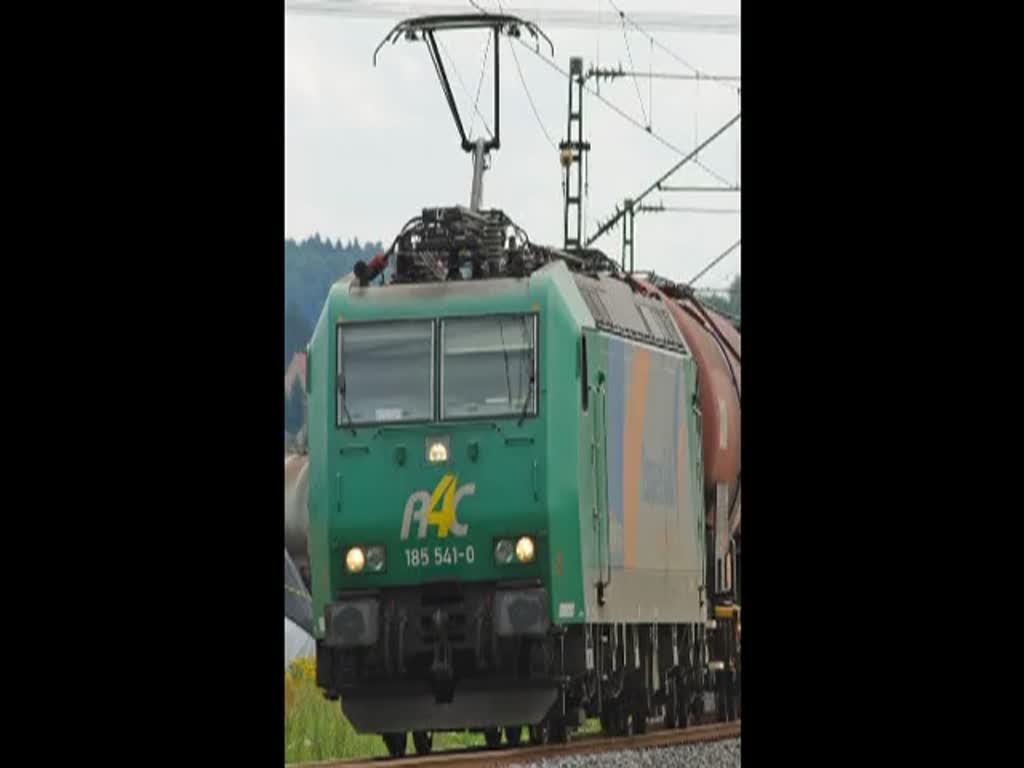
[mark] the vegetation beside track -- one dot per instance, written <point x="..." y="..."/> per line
<point x="316" y="729"/>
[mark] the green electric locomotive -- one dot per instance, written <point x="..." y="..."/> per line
<point x="506" y="498"/>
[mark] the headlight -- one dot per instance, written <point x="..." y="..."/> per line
<point x="355" y="560"/>
<point x="509" y="551"/>
<point x="369" y="559"/>
<point x="524" y="549"/>
<point x="375" y="559"/>
<point x="437" y="450"/>
<point x="504" y="551"/>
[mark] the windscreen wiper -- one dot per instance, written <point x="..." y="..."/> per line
<point x="344" y="403"/>
<point x="529" y="391"/>
<point x="504" y="352"/>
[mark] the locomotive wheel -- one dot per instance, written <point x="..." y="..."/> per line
<point x="493" y="737"/>
<point x="423" y="741"/>
<point x="559" y="732"/>
<point x="395" y="742"/>
<point x="513" y="735"/>
<point x="540" y="733"/>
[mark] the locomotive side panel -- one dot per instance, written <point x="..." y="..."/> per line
<point x="649" y="550"/>
<point x="567" y="435"/>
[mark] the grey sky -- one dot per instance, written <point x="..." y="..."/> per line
<point x="366" y="148"/>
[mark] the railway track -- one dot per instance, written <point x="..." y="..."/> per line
<point x="582" y="745"/>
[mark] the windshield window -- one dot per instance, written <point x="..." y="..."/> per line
<point x="386" y="372"/>
<point x="489" y="366"/>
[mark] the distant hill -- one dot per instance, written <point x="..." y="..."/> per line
<point x="310" y="268"/>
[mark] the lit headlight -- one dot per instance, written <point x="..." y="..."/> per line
<point x="524" y="549"/>
<point x="504" y="551"/>
<point x="369" y="559"/>
<point x="437" y="450"/>
<point x="375" y="559"/>
<point x="355" y="560"/>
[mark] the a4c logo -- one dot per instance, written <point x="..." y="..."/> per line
<point x="438" y="508"/>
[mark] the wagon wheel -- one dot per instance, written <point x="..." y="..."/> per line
<point x="686" y="706"/>
<point x="732" y="697"/>
<point x="685" y="710"/>
<point x="395" y="742"/>
<point x="610" y="719"/>
<point x="623" y="722"/>
<point x="721" y="698"/>
<point x="513" y="735"/>
<point x="738" y="696"/>
<point x="671" y="705"/>
<point x="423" y="741"/>
<point x="639" y="722"/>
<point x="493" y="737"/>
<point x="615" y="720"/>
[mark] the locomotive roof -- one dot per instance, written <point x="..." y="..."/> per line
<point x="619" y="309"/>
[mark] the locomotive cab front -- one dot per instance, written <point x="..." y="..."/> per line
<point x="428" y="507"/>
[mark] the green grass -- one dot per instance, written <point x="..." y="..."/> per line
<point x="316" y="729"/>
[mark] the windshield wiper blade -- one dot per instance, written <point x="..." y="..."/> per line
<point x="526" y="402"/>
<point x="344" y="403"/>
<point x="504" y="352"/>
<point x="529" y="391"/>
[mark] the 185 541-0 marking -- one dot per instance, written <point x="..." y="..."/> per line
<point x="422" y="556"/>
<point x="439" y="509"/>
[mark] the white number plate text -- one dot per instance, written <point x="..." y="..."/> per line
<point x="421" y="557"/>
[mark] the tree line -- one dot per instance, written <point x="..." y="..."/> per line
<point x="727" y="301"/>
<point x="311" y="266"/>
